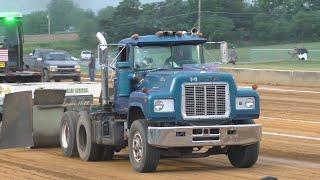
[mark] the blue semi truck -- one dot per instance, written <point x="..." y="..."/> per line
<point x="166" y="103"/>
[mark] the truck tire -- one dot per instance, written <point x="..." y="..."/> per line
<point x="244" y="156"/>
<point x="77" y="79"/>
<point x="68" y="125"/>
<point x="108" y="153"/>
<point x="87" y="149"/>
<point x="45" y="76"/>
<point x="143" y="157"/>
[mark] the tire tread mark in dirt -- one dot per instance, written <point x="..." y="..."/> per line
<point x="9" y="167"/>
<point x="42" y="170"/>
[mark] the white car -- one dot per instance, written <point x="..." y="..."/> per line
<point x="85" y="55"/>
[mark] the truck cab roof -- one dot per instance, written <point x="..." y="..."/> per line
<point x="164" y="38"/>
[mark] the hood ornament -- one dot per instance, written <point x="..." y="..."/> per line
<point x="193" y="79"/>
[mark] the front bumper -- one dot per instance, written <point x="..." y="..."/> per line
<point x="193" y="136"/>
<point x="64" y="75"/>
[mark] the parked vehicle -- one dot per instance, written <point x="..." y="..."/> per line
<point x="85" y="55"/>
<point x="54" y="64"/>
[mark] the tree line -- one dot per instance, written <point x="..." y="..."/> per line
<point x="238" y="21"/>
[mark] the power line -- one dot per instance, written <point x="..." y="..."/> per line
<point x="199" y="15"/>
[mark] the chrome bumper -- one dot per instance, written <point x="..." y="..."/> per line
<point x="192" y="136"/>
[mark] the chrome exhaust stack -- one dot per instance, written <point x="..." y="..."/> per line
<point x="102" y="56"/>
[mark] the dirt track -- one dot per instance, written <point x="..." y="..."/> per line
<point x="294" y="114"/>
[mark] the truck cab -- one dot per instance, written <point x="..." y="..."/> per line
<point x="11" y="50"/>
<point x="168" y="101"/>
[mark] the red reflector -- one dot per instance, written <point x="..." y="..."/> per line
<point x="144" y="90"/>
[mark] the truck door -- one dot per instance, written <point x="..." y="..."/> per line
<point x="123" y="82"/>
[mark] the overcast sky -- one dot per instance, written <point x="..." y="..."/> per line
<point x="27" y="6"/>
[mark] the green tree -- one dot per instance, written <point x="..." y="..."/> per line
<point x="106" y="22"/>
<point x="217" y="28"/>
<point x="282" y="6"/>
<point x="59" y="10"/>
<point x="217" y="5"/>
<point x="173" y="16"/>
<point x="87" y="30"/>
<point x="128" y="8"/>
<point x="36" y="23"/>
<point x="306" y="25"/>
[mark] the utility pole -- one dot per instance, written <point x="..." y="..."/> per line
<point x="199" y="16"/>
<point x="49" y="24"/>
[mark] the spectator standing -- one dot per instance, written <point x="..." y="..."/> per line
<point x="233" y="56"/>
<point x="92" y="67"/>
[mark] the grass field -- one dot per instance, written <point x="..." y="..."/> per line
<point x="51" y="38"/>
<point x="277" y="57"/>
<point x="312" y="65"/>
<point x="73" y="47"/>
<point x="68" y="42"/>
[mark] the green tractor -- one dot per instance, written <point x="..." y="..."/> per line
<point x="11" y="51"/>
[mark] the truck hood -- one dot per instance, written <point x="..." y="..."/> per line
<point x="166" y="81"/>
<point x="61" y="63"/>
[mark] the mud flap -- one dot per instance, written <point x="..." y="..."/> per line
<point x="16" y="128"/>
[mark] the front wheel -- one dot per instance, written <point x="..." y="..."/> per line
<point x="243" y="156"/>
<point x="77" y="79"/>
<point x="143" y="157"/>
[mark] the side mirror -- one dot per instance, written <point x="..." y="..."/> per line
<point x="39" y="59"/>
<point x="123" y="65"/>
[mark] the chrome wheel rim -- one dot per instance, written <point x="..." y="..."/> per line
<point x="137" y="147"/>
<point x="65" y="136"/>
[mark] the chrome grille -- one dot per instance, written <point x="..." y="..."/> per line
<point x="204" y="100"/>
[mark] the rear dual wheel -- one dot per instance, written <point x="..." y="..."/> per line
<point x="87" y="149"/>
<point x="75" y="138"/>
<point x="68" y="126"/>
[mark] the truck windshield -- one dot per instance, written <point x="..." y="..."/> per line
<point x="58" y="57"/>
<point x="9" y="42"/>
<point x="154" y="57"/>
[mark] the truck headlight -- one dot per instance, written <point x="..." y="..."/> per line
<point x="243" y="103"/>
<point x="164" y="105"/>
<point x="53" y="68"/>
<point x="77" y="68"/>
